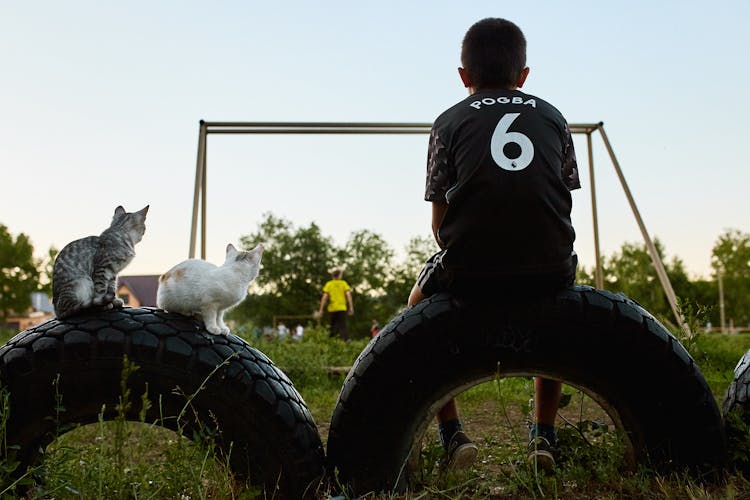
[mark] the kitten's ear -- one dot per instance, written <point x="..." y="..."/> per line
<point x="119" y="211"/>
<point x="256" y="253"/>
<point x="144" y="211"/>
<point x="231" y="249"/>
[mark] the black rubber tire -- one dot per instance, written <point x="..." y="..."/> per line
<point x="737" y="394"/>
<point x="598" y="341"/>
<point x="256" y="409"/>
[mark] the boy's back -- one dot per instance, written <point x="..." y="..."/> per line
<point x="504" y="163"/>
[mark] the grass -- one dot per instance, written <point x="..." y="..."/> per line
<point x="6" y="335"/>
<point x="123" y="459"/>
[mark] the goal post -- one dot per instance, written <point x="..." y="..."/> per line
<point x="372" y="128"/>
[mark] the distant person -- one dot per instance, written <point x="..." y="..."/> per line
<point x="337" y="293"/>
<point x="500" y="168"/>
<point x="375" y="327"/>
<point x="298" y="332"/>
<point x="282" y="330"/>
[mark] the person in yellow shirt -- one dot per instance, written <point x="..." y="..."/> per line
<point x="337" y="293"/>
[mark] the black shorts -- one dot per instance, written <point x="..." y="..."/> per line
<point x="437" y="277"/>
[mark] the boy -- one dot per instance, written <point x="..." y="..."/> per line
<point x="500" y="168"/>
<point x="339" y="293"/>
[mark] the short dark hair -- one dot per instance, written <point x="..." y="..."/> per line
<point x="494" y="53"/>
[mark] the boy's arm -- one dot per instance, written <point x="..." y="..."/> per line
<point x="569" y="166"/>
<point x="323" y="301"/>
<point x="439" y="207"/>
<point x="351" y="303"/>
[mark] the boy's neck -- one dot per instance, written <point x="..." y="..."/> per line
<point x="473" y="90"/>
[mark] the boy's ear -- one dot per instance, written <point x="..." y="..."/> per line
<point x="465" y="78"/>
<point x="522" y="77"/>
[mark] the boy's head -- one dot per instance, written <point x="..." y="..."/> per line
<point x="337" y="273"/>
<point x="493" y="55"/>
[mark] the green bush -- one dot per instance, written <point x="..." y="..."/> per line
<point x="6" y="335"/>
<point x="307" y="363"/>
<point x="716" y="355"/>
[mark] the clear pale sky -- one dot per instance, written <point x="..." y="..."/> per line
<point x="100" y="104"/>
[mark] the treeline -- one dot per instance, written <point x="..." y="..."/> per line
<point x="21" y="273"/>
<point x="631" y="271"/>
<point x="297" y="261"/>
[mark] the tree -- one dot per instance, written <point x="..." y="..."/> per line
<point x="632" y="272"/>
<point x="704" y="295"/>
<point x="367" y="260"/>
<point x="293" y="262"/>
<point x="731" y="258"/>
<point x="585" y="276"/>
<point x="19" y="272"/>
<point x="297" y="262"/>
<point x="404" y="274"/>
<point x="46" y="268"/>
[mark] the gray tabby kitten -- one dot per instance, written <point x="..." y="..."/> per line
<point x="85" y="270"/>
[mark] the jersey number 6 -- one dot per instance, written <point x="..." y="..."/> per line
<point x="501" y="137"/>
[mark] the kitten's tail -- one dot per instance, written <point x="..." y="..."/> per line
<point x="66" y="305"/>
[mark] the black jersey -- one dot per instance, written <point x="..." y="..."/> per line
<point x="504" y="162"/>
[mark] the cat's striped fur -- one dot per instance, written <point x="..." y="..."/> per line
<point x="85" y="270"/>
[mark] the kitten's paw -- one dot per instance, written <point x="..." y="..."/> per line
<point x="224" y="330"/>
<point x="215" y="330"/>
<point x="102" y="308"/>
<point x="118" y="303"/>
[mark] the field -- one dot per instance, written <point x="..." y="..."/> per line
<point x="122" y="459"/>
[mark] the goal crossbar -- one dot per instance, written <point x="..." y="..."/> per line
<point x="587" y="129"/>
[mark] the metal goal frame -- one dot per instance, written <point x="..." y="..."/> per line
<point x="588" y="129"/>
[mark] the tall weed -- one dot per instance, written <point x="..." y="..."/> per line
<point x="125" y="459"/>
<point x="10" y="479"/>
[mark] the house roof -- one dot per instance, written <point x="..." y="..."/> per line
<point x="143" y="287"/>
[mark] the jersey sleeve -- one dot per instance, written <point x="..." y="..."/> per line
<point x="569" y="164"/>
<point x="327" y="287"/>
<point x="441" y="173"/>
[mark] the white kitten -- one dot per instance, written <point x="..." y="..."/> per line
<point x="196" y="287"/>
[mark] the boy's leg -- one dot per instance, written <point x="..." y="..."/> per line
<point x="331" y="324"/>
<point x="343" y="329"/>
<point x="415" y="296"/>
<point x="461" y="452"/>
<point x="338" y="325"/>
<point x="547" y="394"/>
<point x="542" y="437"/>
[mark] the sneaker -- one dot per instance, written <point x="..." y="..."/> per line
<point x="540" y="455"/>
<point x="461" y="453"/>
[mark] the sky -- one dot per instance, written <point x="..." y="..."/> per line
<point x="100" y="104"/>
